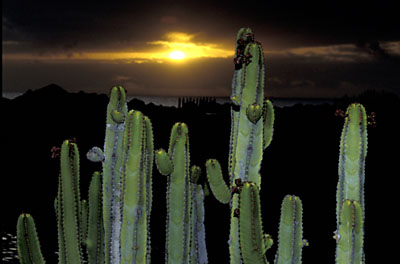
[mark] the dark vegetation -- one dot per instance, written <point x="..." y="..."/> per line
<point x="301" y="160"/>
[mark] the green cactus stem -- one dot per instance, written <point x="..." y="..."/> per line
<point x="349" y="247"/>
<point x="163" y="162"/>
<point x="28" y="241"/>
<point x="252" y="244"/>
<point x="353" y="151"/>
<point x="84" y="220"/>
<point x="68" y="206"/>
<point x="290" y="232"/>
<point x="198" y="250"/>
<point x="269" y="118"/>
<point x="136" y="189"/>
<point x="178" y="196"/>
<point x="217" y="183"/>
<point x="252" y="120"/>
<point x="95" y="236"/>
<point x="350" y="188"/>
<point x="116" y="114"/>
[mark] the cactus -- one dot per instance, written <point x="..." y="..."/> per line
<point x="252" y="244"/>
<point x="176" y="164"/>
<point x="112" y="164"/>
<point x="27" y="241"/>
<point x="95" y="232"/>
<point x="119" y="200"/>
<point x="290" y="231"/>
<point x="252" y="120"/>
<point x="136" y="189"/>
<point x="68" y="206"/>
<point x="350" y="209"/>
<point x="198" y="250"/>
<point x="350" y="234"/>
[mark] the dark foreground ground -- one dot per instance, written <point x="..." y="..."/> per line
<point x="301" y="160"/>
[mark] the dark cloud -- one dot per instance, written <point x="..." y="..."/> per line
<point x="341" y="56"/>
<point x="279" y="24"/>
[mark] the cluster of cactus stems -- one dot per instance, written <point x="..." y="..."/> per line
<point x="185" y="231"/>
<point x="252" y="119"/>
<point x="113" y="226"/>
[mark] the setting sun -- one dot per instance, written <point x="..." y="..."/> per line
<point x="177" y="55"/>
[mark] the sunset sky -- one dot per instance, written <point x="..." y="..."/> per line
<point x="186" y="48"/>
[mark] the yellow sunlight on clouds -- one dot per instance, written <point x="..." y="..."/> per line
<point x="174" y="46"/>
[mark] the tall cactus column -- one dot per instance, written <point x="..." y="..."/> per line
<point x="350" y="209"/>
<point x="175" y="164"/>
<point x="68" y="206"/>
<point x="137" y="189"/>
<point x="252" y="120"/>
<point x="116" y="114"/>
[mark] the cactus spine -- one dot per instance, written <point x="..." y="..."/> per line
<point x="252" y="120"/>
<point x="350" y="210"/>
<point x="28" y="241"/>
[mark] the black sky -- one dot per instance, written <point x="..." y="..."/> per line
<point x="312" y="48"/>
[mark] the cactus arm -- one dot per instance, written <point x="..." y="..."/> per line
<point x="28" y="241"/>
<point x="250" y="225"/>
<point x="69" y="203"/>
<point x="95" y="238"/>
<point x="269" y="118"/>
<point x="163" y="162"/>
<point x="116" y="113"/>
<point x="218" y="187"/>
<point x="290" y="232"/>
<point x="350" y="240"/>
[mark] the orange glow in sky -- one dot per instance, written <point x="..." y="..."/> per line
<point x="174" y="46"/>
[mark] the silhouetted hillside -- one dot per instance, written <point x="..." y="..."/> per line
<point x="302" y="160"/>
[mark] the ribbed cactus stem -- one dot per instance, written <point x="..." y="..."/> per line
<point x="136" y="189"/>
<point x="116" y="114"/>
<point x="353" y="151"/>
<point x="252" y="120"/>
<point x="251" y="233"/>
<point x="28" y="241"/>
<point x="198" y="250"/>
<point x="350" y="205"/>
<point x="349" y="249"/>
<point x="291" y="239"/>
<point x="219" y="188"/>
<point x="84" y="221"/>
<point x="178" y="196"/>
<point x="95" y="237"/>
<point x="269" y="118"/>
<point x="68" y="206"/>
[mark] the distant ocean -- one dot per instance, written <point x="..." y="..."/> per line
<point x="174" y="101"/>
